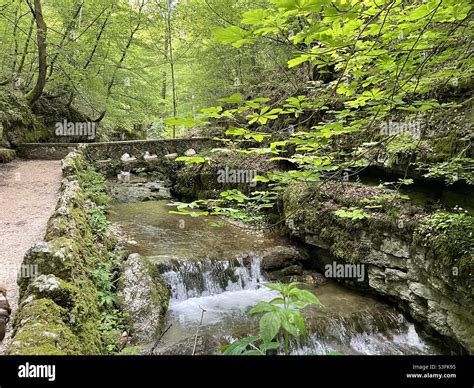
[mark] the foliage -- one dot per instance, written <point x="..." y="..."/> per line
<point x="247" y="208"/>
<point x="448" y="237"/>
<point x="105" y="275"/>
<point x="281" y="319"/>
<point x="112" y="320"/>
<point x="93" y="185"/>
<point x="98" y="220"/>
<point x="352" y="213"/>
<point x="452" y="171"/>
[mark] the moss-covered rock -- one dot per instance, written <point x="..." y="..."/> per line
<point x="62" y="257"/>
<point x="41" y="330"/>
<point x="200" y="181"/>
<point x="51" y="287"/>
<point x="19" y="123"/>
<point x="145" y="297"/>
<point x="7" y="155"/>
<point x="72" y="164"/>
<point x="68" y="291"/>
<point x="422" y="261"/>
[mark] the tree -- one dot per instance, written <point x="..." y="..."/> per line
<point x="41" y="30"/>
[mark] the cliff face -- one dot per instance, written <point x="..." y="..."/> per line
<point x="20" y="123"/>
<point x="422" y="260"/>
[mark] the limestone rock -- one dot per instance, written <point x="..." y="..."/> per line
<point x="144" y="297"/>
<point x="279" y="257"/>
<point x="171" y="156"/>
<point x="395" y="247"/>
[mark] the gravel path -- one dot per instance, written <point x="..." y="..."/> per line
<point x="28" y="196"/>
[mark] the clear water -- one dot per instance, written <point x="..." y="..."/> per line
<point x="213" y="288"/>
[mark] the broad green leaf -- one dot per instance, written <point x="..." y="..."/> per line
<point x="236" y="98"/>
<point x="231" y="35"/>
<point x="261" y="307"/>
<point x="270" y="325"/>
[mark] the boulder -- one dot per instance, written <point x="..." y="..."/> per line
<point x="279" y="257"/>
<point x="7" y="155"/>
<point x="190" y="152"/>
<point x="144" y="297"/>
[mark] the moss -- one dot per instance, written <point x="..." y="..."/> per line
<point x="311" y="209"/>
<point x="42" y="331"/>
<point x="7" y="155"/>
<point x="73" y="164"/>
<point x="160" y="292"/>
<point x="448" y="240"/>
<point x="69" y="222"/>
<point x="200" y="181"/>
<point x="71" y="252"/>
<point x="90" y="338"/>
<point x="51" y="287"/>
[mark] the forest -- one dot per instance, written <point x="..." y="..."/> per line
<point x="236" y="177"/>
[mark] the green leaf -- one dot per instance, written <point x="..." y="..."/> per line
<point x="231" y="35"/>
<point x="298" y="60"/>
<point x="288" y="321"/>
<point x="236" y="131"/>
<point x="253" y="352"/>
<point x="274" y="286"/>
<point x="269" y="346"/>
<point x="305" y="296"/>
<point x="261" y="307"/>
<point x="238" y="347"/>
<point x="299" y="323"/>
<point x="236" y="98"/>
<point x="270" y="325"/>
<point x="352" y="213"/>
<point x="255" y="17"/>
<point x="191" y="159"/>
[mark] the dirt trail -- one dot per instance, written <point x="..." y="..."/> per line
<point x="28" y="196"/>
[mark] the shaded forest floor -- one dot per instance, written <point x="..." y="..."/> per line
<point x="28" y="196"/>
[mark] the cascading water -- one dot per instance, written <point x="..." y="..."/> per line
<point x="212" y="291"/>
<point x="219" y="287"/>
<point x="190" y="279"/>
<point x="214" y="296"/>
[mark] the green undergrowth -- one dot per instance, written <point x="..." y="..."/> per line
<point x="106" y="275"/>
<point x="448" y="239"/>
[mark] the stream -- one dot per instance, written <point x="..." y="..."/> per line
<point x="215" y="277"/>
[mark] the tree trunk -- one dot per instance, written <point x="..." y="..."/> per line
<point x="67" y="35"/>
<point x="25" y="48"/>
<point x="173" y="80"/>
<point x="97" y="40"/>
<point x="121" y="60"/>
<point x="15" y="37"/>
<point x="164" y="84"/>
<point x="41" y="28"/>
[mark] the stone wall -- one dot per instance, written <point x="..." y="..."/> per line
<point x="59" y="312"/>
<point x="45" y="151"/>
<point x="398" y="265"/>
<point x="114" y="150"/>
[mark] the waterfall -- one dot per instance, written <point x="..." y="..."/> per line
<point x="192" y="279"/>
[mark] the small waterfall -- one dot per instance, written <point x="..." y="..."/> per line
<point x="389" y="333"/>
<point x="193" y="279"/>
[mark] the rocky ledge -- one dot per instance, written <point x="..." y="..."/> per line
<point x="415" y="258"/>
